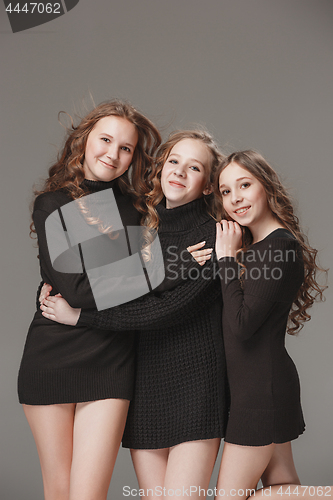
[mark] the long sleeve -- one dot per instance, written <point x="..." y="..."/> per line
<point x="157" y="310"/>
<point x="180" y="266"/>
<point x="273" y="273"/>
<point x="75" y="288"/>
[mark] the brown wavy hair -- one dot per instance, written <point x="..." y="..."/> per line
<point x="155" y="196"/>
<point x="67" y="173"/>
<point x="281" y="206"/>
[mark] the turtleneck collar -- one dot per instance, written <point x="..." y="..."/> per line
<point x="95" y="186"/>
<point x="184" y="217"/>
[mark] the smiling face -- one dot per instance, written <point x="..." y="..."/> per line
<point x="244" y="197"/>
<point x="185" y="173"/>
<point x="109" y="149"/>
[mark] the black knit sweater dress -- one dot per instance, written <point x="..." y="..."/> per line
<point x="181" y="391"/>
<point x="264" y="385"/>
<point x="64" y="364"/>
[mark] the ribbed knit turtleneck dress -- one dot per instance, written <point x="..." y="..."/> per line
<point x="264" y="385"/>
<point x="64" y="364"/>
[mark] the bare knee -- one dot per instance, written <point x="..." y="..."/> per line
<point x="56" y="488"/>
<point x="281" y="468"/>
<point x="240" y="470"/>
<point x="150" y="467"/>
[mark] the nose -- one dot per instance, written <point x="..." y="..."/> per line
<point x="236" y="197"/>
<point x="179" y="170"/>
<point x="113" y="152"/>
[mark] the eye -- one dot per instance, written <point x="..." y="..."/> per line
<point x="105" y="139"/>
<point x="174" y="162"/>
<point x="245" y="185"/>
<point x="225" y="192"/>
<point x="125" y="148"/>
<point x="195" y="168"/>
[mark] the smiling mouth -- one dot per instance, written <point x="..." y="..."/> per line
<point x="107" y="164"/>
<point x="176" y="184"/>
<point x="241" y="211"/>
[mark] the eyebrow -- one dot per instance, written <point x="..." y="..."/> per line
<point x="240" y="179"/>
<point x="191" y="159"/>
<point x="111" y="137"/>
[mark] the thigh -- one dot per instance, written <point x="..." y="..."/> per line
<point x="190" y="467"/>
<point x="98" y="429"/>
<point x="241" y="468"/>
<point x="52" y="428"/>
<point x="150" y="468"/>
<point x="281" y="468"/>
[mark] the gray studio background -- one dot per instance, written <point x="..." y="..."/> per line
<point x="257" y="73"/>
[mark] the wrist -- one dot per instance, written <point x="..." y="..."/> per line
<point x="77" y="315"/>
<point x="222" y="254"/>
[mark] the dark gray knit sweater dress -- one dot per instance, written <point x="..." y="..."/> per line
<point x="181" y="391"/>
<point x="65" y="364"/>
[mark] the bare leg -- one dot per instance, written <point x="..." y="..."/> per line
<point x="240" y="470"/>
<point x="98" y="429"/>
<point x="281" y="468"/>
<point x="150" y="468"/>
<point x="190" y="466"/>
<point x="52" y="428"/>
<point x="180" y="467"/>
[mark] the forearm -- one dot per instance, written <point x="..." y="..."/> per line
<point x="156" y="311"/>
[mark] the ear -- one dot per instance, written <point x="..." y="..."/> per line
<point x="208" y="189"/>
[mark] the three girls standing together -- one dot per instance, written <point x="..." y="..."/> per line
<point x="188" y="384"/>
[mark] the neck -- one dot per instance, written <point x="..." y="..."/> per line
<point x="264" y="228"/>
<point x="170" y="204"/>
<point x="99" y="185"/>
<point x="183" y="217"/>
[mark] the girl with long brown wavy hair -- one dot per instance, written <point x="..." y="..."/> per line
<point x="75" y="384"/>
<point x="268" y="277"/>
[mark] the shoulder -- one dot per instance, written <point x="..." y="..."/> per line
<point x="50" y="201"/>
<point x="274" y="268"/>
<point x="284" y="253"/>
<point x="279" y="242"/>
<point x="207" y="223"/>
<point x="281" y="232"/>
<point x="130" y="216"/>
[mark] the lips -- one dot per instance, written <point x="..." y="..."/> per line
<point x="176" y="184"/>
<point x="108" y="165"/>
<point x="242" y="210"/>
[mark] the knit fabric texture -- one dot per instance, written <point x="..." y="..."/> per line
<point x="181" y="391"/>
<point x="64" y="364"/>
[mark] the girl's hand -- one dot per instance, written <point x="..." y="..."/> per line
<point x="45" y="292"/>
<point x="57" y="309"/>
<point x="201" y="256"/>
<point x="228" y="240"/>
